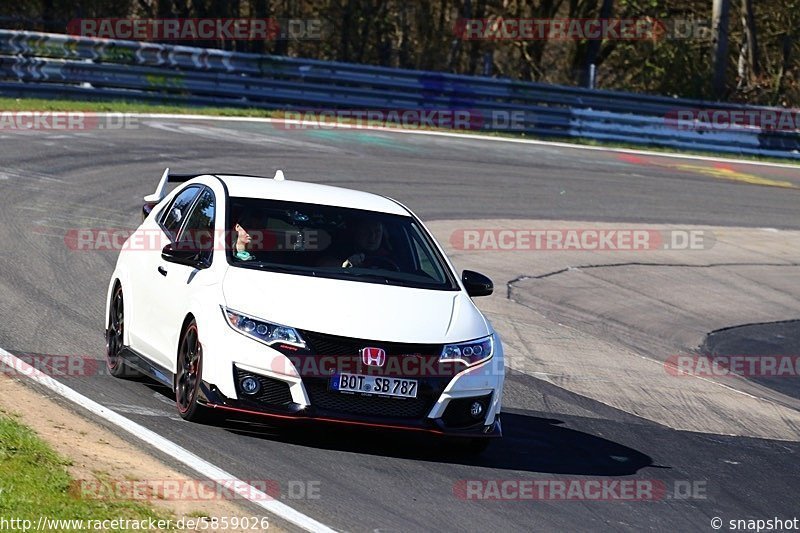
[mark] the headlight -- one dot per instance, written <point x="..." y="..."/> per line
<point x="266" y="332"/>
<point x="471" y="352"/>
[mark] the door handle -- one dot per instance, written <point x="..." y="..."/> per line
<point x="162" y="271"/>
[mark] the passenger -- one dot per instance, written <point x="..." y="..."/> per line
<point x="245" y="224"/>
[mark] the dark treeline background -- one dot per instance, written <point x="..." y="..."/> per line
<point x="763" y="63"/>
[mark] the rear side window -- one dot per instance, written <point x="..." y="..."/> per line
<point x="174" y="216"/>
<point x="198" y="232"/>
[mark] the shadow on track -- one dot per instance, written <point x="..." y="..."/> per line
<point x="530" y="443"/>
<point x="768" y="340"/>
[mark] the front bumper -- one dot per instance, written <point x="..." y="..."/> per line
<point x="292" y="392"/>
<point x="211" y="397"/>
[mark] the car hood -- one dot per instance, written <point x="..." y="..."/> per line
<point x="354" y="309"/>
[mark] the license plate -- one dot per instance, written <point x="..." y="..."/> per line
<point x="401" y="388"/>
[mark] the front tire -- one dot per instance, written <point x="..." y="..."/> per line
<point x="115" y="338"/>
<point x="189" y="375"/>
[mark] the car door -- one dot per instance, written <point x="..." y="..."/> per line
<point x="181" y="282"/>
<point x="149" y="276"/>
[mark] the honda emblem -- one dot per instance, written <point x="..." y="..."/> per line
<point x="373" y="356"/>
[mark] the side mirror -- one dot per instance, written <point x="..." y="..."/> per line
<point x="476" y="283"/>
<point x="184" y="255"/>
<point x="147" y="208"/>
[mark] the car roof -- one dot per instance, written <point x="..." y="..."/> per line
<point x="311" y="193"/>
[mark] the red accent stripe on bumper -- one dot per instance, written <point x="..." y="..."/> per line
<point x="322" y="419"/>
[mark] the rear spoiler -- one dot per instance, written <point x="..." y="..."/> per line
<point x="151" y="200"/>
<point x="166" y="177"/>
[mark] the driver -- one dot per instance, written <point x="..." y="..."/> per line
<point x="369" y="237"/>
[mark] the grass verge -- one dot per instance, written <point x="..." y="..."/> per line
<point x="119" y="106"/>
<point x="34" y="482"/>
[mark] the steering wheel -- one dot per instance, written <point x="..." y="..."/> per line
<point x="377" y="261"/>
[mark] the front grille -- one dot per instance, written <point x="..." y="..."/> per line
<point x="324" y="344"/>
<point x="431" y="382"/>
<point x="355" y="404"/>
<point x="272" y="392"/>
<point x="457" y="414"/>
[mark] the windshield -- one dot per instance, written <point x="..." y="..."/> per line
<point x="334" y="242"/>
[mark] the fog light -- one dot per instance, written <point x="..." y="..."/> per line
<point x="250" y="385"/>
<point x="476" y="409"/>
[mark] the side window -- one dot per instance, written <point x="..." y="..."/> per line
<point x="199" y="228"/>
<point x="174" y="216"/>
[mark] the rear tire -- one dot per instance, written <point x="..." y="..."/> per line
<point x="189" y="375"/>
<point x="115" y="338"/>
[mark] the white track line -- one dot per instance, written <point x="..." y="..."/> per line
<point x="468" y="136"/>
<point x="164" y="445"/>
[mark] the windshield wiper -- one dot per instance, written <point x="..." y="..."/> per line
<point x="385" y="279"/>
<point x="272" y="267"/>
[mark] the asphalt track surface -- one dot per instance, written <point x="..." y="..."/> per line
<point x="53" y="303"/>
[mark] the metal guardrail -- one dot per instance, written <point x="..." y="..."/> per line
<point x="55" y="65"/>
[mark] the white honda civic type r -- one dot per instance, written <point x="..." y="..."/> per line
<point x="256" y="296"/>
